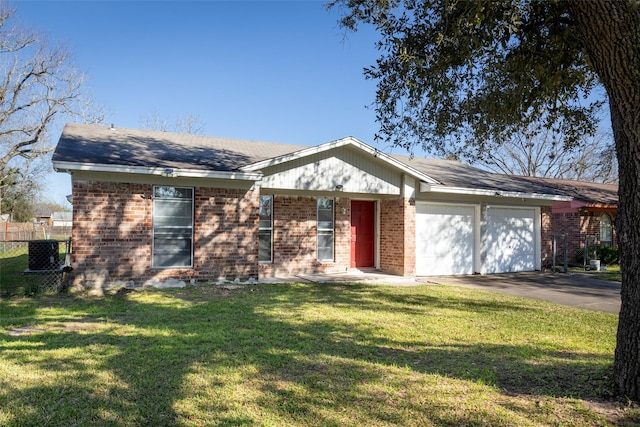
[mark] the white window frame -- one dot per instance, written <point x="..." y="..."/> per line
<point x="609" y="230"/>
<point x="187" y="230"/>
<point x="322" y="230"/>
<point x="262" y="228"/>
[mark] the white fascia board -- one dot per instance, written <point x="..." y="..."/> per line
<point x="336" y="144"/>
<point x="143" y="170"/>
<point x="426" y="187"/>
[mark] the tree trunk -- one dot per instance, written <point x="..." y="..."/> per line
<point x="611" y="31"/>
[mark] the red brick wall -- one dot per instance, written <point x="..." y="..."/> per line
<point x="567" y="223"/>
<point x="111" y="229"/>
<point x="546" y="230"/>
<point x="226" y="234"/>
<point x="295" y="234"/>
<point x="397" y="236"/>
<point x="576" y="225"/>
<point x="590" y="222"/>
<point x="112" y="232"/>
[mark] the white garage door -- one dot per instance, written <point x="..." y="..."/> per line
<point x="510" y="243"/>
<point x="444" y="239"/>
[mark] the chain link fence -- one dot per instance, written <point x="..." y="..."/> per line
<point x="582" y="250"/>
<point x="34" y="265"/>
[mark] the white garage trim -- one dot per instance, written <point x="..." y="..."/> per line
<point x="447" y="238"/>
<point x="511" y="240"/>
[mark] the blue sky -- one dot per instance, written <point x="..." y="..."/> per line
<point x="278" y="71"/>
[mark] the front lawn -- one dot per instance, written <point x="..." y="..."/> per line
<point x="610" y="273"/>
<point x="307" y="355"/>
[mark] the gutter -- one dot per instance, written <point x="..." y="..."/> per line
<point x="426" y="188"/>
<point x="69" y="167"/>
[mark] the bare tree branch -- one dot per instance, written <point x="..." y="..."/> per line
<point x="39" y="86"/>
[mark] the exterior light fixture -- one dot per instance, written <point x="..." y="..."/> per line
<point x="339" y="187"/>
<point x="169" y="173"/>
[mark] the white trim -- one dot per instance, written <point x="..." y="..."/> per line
<point x="153" y="229"/>
<point x="333" y="231"/>
<point x="426" y="187"/>
<point x="336" y="144"/>
<point x="145" y="170"/>
<point x="270" y="261"/>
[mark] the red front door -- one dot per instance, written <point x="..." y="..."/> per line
<point x="362" y="234"/>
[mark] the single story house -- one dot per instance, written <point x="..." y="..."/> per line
<point x="157" y="205"/>
<point x="62" y="219"/>
<point x="42" y="215"/>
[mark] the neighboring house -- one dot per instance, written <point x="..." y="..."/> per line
<point x="42" y="215"/>
<point x="62" y="219"/>
<point x="154" y="205"/>
<point x="589" y="216"/>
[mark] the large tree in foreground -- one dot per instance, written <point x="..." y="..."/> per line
<point x="454" y="74"/>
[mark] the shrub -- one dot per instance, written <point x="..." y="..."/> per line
<point x="606" y="254"/>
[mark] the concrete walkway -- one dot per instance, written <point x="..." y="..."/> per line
<point x="353" y="275"/>
<point x="573" y="289"/>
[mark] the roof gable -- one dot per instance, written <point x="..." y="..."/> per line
<point x="345" y="168"/>
<point x="348" y="141"/>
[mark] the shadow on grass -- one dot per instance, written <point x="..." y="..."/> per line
<point x="296" y="354"/>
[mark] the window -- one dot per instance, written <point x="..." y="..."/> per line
<point x="172" y="227"/>
<point x="606" y="235"/>
<point x="325" y="227"/>
<point x="265" y="229"/>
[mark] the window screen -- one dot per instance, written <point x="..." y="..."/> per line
<point x="265" y="229"/>
<point x="172" y="227"/>
<point x="606" y="235"/>
<point x="325" y="228"/>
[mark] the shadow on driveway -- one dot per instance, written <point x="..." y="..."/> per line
<point x="573" y="289"/>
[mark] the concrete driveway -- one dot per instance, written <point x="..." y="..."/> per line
<point x="573" y="289"/>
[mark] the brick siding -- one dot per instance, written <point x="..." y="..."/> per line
<point x="226" y="234"/>
<point x="576" y="225"/>
<point x="546" y="231"/>
<point x="295" y="237"/>
<point x="112" y="233"/>
<point x="397" y="236"/>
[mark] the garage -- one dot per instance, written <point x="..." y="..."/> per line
<point x="445" y="239"/>
<point x="510" y="243"/>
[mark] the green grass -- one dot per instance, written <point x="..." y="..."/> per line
<point x="307" y="355"/>
<point x="13" y="262"/>
<point x="612" y="273"/>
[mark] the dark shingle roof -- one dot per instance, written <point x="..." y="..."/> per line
<point x="455" y="174"/>
<point x="128" y="147"/>
<point x="102" y="145"/>
<point x="589" y="192"/>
